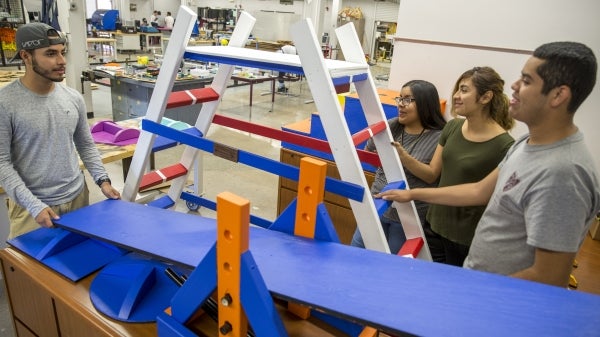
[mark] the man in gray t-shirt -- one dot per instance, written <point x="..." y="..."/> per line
<point x="546" y="206"/>
<point x="545" y="193"/>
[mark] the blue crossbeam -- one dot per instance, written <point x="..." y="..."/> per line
<point x="203" y="202"/>
<point x="345" y="189"/>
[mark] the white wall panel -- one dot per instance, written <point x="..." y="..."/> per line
<point x="438" y="40"/>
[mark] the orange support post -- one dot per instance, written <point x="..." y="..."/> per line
<point x="311" y="189"/>
<point x="233" y="226"/>
<point x="369" y="332"/>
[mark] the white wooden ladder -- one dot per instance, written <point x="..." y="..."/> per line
<point x="321" y="74"/>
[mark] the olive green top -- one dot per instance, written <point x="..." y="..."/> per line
<point x="464" y="161"/>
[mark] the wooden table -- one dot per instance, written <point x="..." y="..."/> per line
<point x="152" y="41"/>
<point x="112" y="153"/>
<point x="255" y="80"/>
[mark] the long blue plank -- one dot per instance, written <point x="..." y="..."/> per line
<point x="382" y="290"/>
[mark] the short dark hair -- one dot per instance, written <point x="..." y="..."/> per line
<point x="568" y="63"/>
<point x="427" y="101"/>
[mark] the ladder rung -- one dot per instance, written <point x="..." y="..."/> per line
<point x="368" y="132"/>
<point x="160" y="176"/>
<point x="411" y="247"/>
<point x="163" y="202"/>
<point x="191" y="97"/>
<point x="349" y="79"/>
<point x="382" y="205"/>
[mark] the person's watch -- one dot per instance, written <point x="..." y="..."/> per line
<point x="101" y="181"/>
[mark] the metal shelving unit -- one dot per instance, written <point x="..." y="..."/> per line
<point x="12" y="15"/>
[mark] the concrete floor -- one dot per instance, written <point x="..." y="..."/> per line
<point x="218" y="174"/>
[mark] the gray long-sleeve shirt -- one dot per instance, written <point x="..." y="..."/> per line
<point x="40" y="139"/>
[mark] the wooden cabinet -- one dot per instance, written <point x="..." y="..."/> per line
<point x="37" y="319"/>
<point x="337" y="206"/>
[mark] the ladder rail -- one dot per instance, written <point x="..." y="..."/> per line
<point x="190" y="154"/>
<point x="158" y="102"/>
<point x="343" y="150"/>
<point x="390" y="161"/>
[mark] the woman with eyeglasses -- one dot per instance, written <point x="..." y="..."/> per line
<point x="417" y="128"/>
<point x="470" y="147"/>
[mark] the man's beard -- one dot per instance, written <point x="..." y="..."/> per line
<point x="47" y="74"/>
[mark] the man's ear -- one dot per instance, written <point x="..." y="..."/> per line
<point x="560" y="95"/>
<point x="24" y="55"/>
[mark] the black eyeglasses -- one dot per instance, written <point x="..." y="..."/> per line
<point x="403" y="101"/>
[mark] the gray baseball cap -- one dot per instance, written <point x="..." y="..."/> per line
<point x="36" y="35"/>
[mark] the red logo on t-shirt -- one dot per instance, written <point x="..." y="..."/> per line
<point x="512" y="182"/>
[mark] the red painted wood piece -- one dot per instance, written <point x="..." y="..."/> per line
<point x="154" y="178"/>
<point x="411" y="247"/>
<point x="190" y="97"/>
<point x="290" y="137"/>
<point x="368" y="132"/>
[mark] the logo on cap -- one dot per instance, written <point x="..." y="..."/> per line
<point x="33" y="44"/>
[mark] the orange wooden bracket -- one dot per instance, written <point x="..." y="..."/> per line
<point x="311" y="189"/>
<point x="369" y="332"/>
<point x="233" y="225"/>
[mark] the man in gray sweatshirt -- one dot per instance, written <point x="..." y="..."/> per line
<point x="43" y="133"/>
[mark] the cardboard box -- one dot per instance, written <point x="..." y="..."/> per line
<point x="595" y="229"/>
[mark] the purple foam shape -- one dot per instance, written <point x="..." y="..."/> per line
<point x="108" y="132"/>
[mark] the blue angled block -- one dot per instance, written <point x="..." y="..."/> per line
<point x="132" y="289"/>
<point x="382" y="205"/>
<point x="163" y="202"/>
<point x="61" y="250"/>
